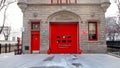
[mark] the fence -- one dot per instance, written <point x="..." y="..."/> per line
<point x="113" y="47"/>
<point x="113" y="44"/>
<point x="6" y="48"/>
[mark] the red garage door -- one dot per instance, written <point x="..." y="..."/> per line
<point x="64" y="38"/>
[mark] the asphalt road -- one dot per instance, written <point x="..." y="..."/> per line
<point x="59" y="61"/>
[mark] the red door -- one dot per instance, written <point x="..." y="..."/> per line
<point x="64" y="38"/>
<point x="35" y="42"/>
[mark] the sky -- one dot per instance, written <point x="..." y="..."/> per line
<point x="13" y="19"/>
<point x="112" y="10"/>
<point x="14" y="16"/>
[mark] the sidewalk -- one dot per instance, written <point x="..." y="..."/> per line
<point x="60" y="61"/>
<point x="7" y="54"/>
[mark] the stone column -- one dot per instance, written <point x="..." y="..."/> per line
<point x="104" y="5"/>
<point x="23" y="5"/>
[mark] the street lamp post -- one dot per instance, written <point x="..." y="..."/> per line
<point x="22" y="30"/>
<point x="18" y="40"/>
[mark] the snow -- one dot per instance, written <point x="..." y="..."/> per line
<point x="8" y="42"/>
<point x="60" y="61"/>
<point x="5" y="55"/>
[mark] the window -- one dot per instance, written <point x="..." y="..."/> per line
<point x="54" y="1"/>
<point x="58" y="41"/>
<point x="13" y="39"/>
<point x="69" y="41"/>
<point x="35" y="25"/>
<point x="72" y="1"/>
<point x="92" y="31"/>
<point x="69" y="36"/>
<point x="63" y="41"/>
<point x="63" y="1"/>
<point x="58" y="36"/>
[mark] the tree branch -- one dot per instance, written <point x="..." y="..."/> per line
<point x="4" y="19"/>
<point x="1" y="2"/>
<point x="7" y="4"/>
<point x="6" y="32"/>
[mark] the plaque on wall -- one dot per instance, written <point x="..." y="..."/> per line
<point x="44" y="32"/>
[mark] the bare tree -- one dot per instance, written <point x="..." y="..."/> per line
<point x="4" y="4"/>
<point x="113" y="24"/>
<point x="110" y="27"/>
<point x="6" y="32"/>
<point x="118" y="17"/>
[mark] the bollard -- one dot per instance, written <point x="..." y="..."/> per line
<point x="15" y="52"/>
<point x="0" y="48"/>
<point x="18" y="40"/>
<point x="9" y="47"/>
<point x="5" y="48"/>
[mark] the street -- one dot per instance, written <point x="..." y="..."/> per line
<point x="60" y="61"/>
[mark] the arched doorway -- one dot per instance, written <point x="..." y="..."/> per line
<point x="64" y="33"/>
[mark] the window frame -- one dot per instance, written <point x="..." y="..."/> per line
<point x="96" y="30"/>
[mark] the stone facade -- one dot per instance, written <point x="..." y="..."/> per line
<point x="82" y="12"/>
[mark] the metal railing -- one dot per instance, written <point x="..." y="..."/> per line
<point x="7" y="48"/>
<point x="114" y="51"/>
<point x="113" y="44"/>
<point x="113" y="48"/>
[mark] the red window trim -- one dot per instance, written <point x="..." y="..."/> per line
<point x="51" y="1"/>
<point x="60" y="1"/>
<point x="95" y="31"/>
<point x="75" y="1"/>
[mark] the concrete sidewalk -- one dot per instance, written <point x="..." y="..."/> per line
<point x="59" y="61"/>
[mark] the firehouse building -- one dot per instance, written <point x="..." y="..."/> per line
<point x="64" y="26"/>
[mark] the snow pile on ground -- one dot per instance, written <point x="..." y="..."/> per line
<point x="4" y="55"/>
<point x="61" y="61"/>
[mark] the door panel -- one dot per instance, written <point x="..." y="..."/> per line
<point x="35" y="42"/>
<point x="64" y="38"/>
